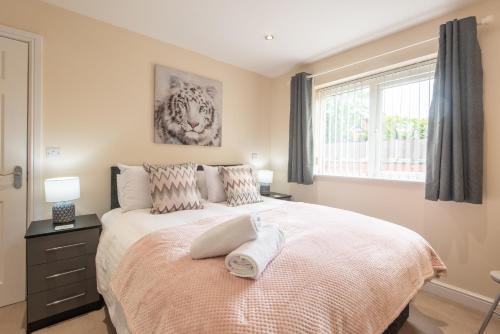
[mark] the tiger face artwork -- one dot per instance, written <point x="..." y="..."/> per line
<point x="189" y="113"/>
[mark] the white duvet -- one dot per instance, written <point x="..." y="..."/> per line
<point x="122" y="229"/>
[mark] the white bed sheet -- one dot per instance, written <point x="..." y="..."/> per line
<point x="122" y="229"/>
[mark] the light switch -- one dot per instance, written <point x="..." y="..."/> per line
<point x="52" y="152"/>
<point x="255" y="157"/>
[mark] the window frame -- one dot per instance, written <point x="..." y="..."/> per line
<point x="375" y="113"/>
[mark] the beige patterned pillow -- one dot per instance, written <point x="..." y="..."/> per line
<point x="240" y="185"/>
<point x="173" y="187"/>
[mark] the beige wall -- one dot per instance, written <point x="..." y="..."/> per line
<point x="466" y="236"/>
<point x="98" y="99"/>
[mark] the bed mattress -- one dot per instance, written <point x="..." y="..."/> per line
<point x="122" y="231"/>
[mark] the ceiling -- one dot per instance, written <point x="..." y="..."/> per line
<point x="233" y="31"/>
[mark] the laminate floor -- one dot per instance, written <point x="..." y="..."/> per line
<point x="429" y="314"/>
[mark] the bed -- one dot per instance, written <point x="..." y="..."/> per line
<point x="121" y="231"/>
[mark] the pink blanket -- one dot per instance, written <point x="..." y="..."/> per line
<point x="339" y="272"/>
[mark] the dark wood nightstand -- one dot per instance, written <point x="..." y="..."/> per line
<point x="61" y="279"/>
<point x="281" y="196"/>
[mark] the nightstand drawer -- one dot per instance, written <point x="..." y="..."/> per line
<point x="57" y="247"/>
<point x="47" y="276"/>
<point x="50" y="302"/>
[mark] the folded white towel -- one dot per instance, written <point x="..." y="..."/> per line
<point x="225" y="237"/>
<point x="251" y="258"/>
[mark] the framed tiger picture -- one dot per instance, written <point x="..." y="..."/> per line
<point x="188" y="108"/>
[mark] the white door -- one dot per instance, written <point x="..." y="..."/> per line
<point x="13" y="152"/>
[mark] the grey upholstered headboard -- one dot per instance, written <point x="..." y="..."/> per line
<point x="114" y="191"/>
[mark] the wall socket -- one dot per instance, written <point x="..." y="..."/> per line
<point x="255" y="157"/>
<point x="52" y="152"/>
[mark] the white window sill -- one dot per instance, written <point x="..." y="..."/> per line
<point x="367" y="179"/>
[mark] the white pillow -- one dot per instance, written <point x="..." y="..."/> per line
<point x="215" y="187"/>
<point x="119" y="187"/>
<point x="201" y="183"/>
<point x="123" y="167"/>
<point x="133" y="188"/>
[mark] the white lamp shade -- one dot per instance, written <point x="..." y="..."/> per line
<point x="62" y="189"/>
<point x="265" y="176"/>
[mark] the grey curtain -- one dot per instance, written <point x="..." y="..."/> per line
<point x="455" y="132"/>
<point x="300" y="144"/>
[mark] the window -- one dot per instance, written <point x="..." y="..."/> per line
<point x="375" y="126"/>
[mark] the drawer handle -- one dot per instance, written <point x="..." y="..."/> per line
<point x="66" y="299"/>
<point x="66" y="273"/>
<point x="65" y="246"/>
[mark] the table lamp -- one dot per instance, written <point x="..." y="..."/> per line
<point x="62" y="191"/>
<point x="265" y="179"/>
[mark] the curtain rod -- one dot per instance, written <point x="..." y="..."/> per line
<point x="484" y="21"/>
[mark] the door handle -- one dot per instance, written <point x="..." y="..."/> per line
<point x="18" y="176"/>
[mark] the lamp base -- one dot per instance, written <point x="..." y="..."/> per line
<point x="265" y="189"/>
<point x="63" y="213"/>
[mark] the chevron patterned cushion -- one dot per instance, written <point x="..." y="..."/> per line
<point x="173" y="187"/>
<point x="240" y="185"/>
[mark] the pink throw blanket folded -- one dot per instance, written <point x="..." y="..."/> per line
<point x="339" y="272"/>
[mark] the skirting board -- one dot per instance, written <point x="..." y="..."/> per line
<point x="458" y="295"/>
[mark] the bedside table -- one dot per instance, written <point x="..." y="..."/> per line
<point x="281" y="196"/>
<point x="61" y="279"/>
